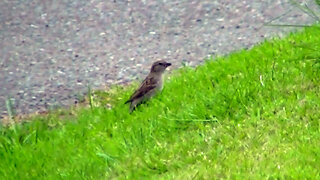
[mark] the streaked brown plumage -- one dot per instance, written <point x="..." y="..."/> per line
<point x="152" y="83"/>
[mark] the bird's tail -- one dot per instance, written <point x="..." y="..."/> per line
<point x="132" y="105"/>
<point x="128" y="101"/>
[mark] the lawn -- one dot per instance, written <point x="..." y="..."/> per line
<point x="253" y="114"/>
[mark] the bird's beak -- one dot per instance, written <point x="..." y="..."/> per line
<point x="168" y="64"/>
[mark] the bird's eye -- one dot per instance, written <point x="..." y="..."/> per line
<point x="160" y="63"/>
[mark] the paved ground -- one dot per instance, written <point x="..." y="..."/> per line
<point x="51" y="50"/>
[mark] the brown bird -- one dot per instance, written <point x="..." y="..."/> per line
<point x="150" y="85"/>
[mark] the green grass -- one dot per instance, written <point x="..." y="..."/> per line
<point x="250" y="115"/>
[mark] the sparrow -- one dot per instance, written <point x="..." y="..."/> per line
<point x="150" y="85"/>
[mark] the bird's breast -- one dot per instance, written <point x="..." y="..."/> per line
<point x="160" y="84"/>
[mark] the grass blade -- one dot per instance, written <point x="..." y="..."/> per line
<point x="305" y="9"/>
<point x="10" y="110"/>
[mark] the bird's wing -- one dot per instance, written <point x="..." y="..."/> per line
<point x="146" y="86"/>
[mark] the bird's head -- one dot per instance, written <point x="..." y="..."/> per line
<point x="159" y="66"/>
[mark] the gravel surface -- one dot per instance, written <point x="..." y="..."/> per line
<point x="50" y="51"/>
